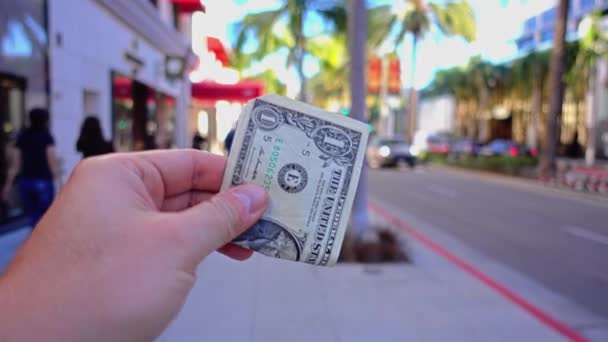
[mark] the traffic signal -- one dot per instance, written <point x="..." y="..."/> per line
<point x="394" y="76"/>
<point x="374" y="75"/>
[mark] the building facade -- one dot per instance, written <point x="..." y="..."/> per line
<point x="124" y="62"/>
<point x="537" y="34"/>
<point x="112" y="59"/>
<point x="537" y="31"/>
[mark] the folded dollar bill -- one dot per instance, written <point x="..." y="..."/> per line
<point x="309" y="161"/>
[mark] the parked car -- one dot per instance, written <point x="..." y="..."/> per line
<point x="437" y="143"/>
<point x="503" y="147"/>
<point x="465" y="147"/>
<point x="389" y="151"/>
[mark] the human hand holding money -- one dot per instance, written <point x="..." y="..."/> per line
<point x="309" y="161"/>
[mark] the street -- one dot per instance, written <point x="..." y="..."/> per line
<point x="558" y="241"/>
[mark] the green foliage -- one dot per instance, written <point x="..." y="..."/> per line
<point x="284" y="28"/>
<point x="331" y="83"/>
<point x="516" y="77"/>
<point x="592" y="46"/>
<point x="514" y="166"/>
<point x="455" y="18"/>
<point x="271" y="82"/>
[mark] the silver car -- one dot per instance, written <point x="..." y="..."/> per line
<point x="389" y="151"/>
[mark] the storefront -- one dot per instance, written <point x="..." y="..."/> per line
<point x="23" y="75"/>
<point x="218" y="95"/>
<point x="124" y="62"/>
<point x="142" y="118"/>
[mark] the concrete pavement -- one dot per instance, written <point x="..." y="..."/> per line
<point x="10" y="243"/>
<point x="271" y="300"/>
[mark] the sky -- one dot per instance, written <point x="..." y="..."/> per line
<point x="499" y="23"/>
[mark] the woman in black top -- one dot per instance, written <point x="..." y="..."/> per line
<point x="35" y="165"/>
<point x="91" y="141"/>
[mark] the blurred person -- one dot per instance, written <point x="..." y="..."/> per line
<point x="228" y="140"/>
<point x="198" y="141"/>
<point x="121" y="271"/>
<point x="91" y="142"/>
<point x="34" y="164"/>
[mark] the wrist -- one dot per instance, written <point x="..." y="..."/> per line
<point x="27" y="312"/>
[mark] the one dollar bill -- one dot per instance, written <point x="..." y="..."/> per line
<point x="309" y="161"/>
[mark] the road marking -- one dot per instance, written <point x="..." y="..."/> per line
<point x="587" y="234"/>
<point x="441" y="190"/>
<point x="516" y="299"/>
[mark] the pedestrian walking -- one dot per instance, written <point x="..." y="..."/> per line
<point x="228" y="140"/>
<point x="199" y="142"/>
<point x="34" y="164"/>
<point x="91" y="142"/>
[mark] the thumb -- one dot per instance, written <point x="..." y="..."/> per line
<point x="214" y="223"/>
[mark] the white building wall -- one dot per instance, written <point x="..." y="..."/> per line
<point x="165" y="9"/>
<point x="437" y="114"/>
<point x="87" y="43"/>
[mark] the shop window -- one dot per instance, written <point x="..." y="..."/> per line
<point x="548" y="17"/>
<point x="526" y="44"/>
<point x="586" y="5"/>
<point x="530" y="25"/>
<point x="12" y="117"/>
<point x="143" y="118"/>
<point x="547" y="35"/>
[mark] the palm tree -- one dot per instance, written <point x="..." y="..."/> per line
<point x="556" y="86"/>
<point x="329" y="84"/>
<point x="529" y="77"/>
<point x="265" y="28"/>
<point x="416" y="18"/>
<point x="357" y="31"/>
<point x="593" y="46"/>
<point x="482" y="74"/>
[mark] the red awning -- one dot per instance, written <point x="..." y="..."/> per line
<point x="189" y="6"/>
<point x="216" y="47"/>
<point x="243" y="91"/>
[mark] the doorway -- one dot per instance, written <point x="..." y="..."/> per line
<point x="12" y="119"/>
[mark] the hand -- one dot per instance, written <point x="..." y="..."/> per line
<point x="115" y="256"/>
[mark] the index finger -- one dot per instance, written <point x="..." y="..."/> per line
<point x="186" y="170"/>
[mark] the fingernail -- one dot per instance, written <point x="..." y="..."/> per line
<point x="251" y="197"/>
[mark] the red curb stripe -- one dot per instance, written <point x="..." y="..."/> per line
<point x="542" y="316"/>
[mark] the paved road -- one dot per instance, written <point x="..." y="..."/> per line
<point x="559" y="241"/>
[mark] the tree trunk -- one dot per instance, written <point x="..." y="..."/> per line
<point x="556" y="89"/>
<point x="591" y="115"/>
<point x="483" y="109"/>
<point x="412" y="109"/>
<point x="471" y="120"/>
<point x="357" y="32"/>
<point x="537" y="102"/>
<point x="299" y="62"/>
<point x="299" y="58"/>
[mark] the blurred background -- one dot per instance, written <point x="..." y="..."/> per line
<point x="489" y="116"/>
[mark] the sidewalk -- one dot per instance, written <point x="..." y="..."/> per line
<point x="10" y="242"/>
<point x="269" y="300"/>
